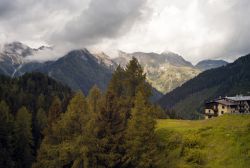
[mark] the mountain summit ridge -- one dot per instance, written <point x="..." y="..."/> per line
<point x="210" y="64"/>
<point x="164" y="71"/>
<point x="81" y="68"/>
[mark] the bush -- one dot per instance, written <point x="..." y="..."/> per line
<point x="192" y="141"/>
<point x="195" y="156"/>
<point x="248" y="127"/>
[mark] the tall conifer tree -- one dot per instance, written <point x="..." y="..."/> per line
<point x="68" y="147"/>
<point x="141" y="140"/>
<point x="24" y="139"/>
<point x="6" y="136"/>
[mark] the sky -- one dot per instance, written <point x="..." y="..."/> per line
<point x="195" y="29"/>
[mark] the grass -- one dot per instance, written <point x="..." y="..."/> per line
<point x="219" y="142"/>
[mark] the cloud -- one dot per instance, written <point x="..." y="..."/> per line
<point x="101" y="20"/>
<point x="196" y="29"/>
<point x="47" y="54"/>
<point x="30" y="21"/>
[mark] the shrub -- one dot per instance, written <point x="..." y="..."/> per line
<point x="195" y="156"/>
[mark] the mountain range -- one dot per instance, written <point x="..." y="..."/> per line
<point x="229" y="80"/>
<point x="81" y="69"/>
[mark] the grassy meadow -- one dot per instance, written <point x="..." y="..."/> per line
<point x="219" y="142"/>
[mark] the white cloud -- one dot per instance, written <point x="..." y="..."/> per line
<point x="195" y="29"/>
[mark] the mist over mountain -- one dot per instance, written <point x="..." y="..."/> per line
<point x="13" y="57"/>
<point x="81" y="69"/>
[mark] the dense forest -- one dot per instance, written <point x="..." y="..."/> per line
<point x="25" y="104"/>
<point x="45" y="124"/>
<point x="187" y="101"/>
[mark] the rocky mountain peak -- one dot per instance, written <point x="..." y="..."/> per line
<point x="17" y="49"/>
<point x="175" y="59"/>
<point x="103" y="58"/>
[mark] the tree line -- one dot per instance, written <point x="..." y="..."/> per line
<point x="24" y="106"/>
<point x="115" y="128"/>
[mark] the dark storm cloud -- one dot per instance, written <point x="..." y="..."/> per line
<point x="5" y="7"/>
<point x="31" y="20"/>
<point x="102" y="19"/>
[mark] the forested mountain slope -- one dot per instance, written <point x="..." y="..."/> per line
<point x="229" y="80"/>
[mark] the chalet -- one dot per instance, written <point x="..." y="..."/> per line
<point x="227" y="105"/>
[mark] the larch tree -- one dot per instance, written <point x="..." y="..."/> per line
<point x="68" y="147"/>
<point x="141" y="140"/>
<point x="23" y="138"/>
<point x="54" y="110"/>
<point x="40" y="124"/>
<point x="6" y="136"/>
<point x="134" y="77"/>
<point x="110" y="132"/>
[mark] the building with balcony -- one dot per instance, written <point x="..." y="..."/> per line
<point x="227" y="105"/>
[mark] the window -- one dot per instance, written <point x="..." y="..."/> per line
<point x="222" y="112"/>
<point x="223" y="107"/>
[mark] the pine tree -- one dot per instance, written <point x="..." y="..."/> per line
<point x="141" y="141"/>
<point x="125" y="83"/>
<point x="93" y="100"/>
<point x="68" y="144"/>
<point x="134" y="77"/>
<point x="40" y="101"/>
<point x="6" y="136"/>
<point x="41" y="119"/>
<point x="41" y="122"/>
<point x="53" y="115"/>
<point x="24" y="139"/>
<point x="116" y="84"/>
<point x="94" y="105"/>
<point x="110" y="133"/>
<point x="54" y="110"/>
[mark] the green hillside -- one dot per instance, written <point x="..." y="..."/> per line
<point x="228" y="80"/>
<point x="216" y="143"/>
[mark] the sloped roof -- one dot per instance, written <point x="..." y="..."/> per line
<point x="239" y="98"/>
<point x="225" y="102"/>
